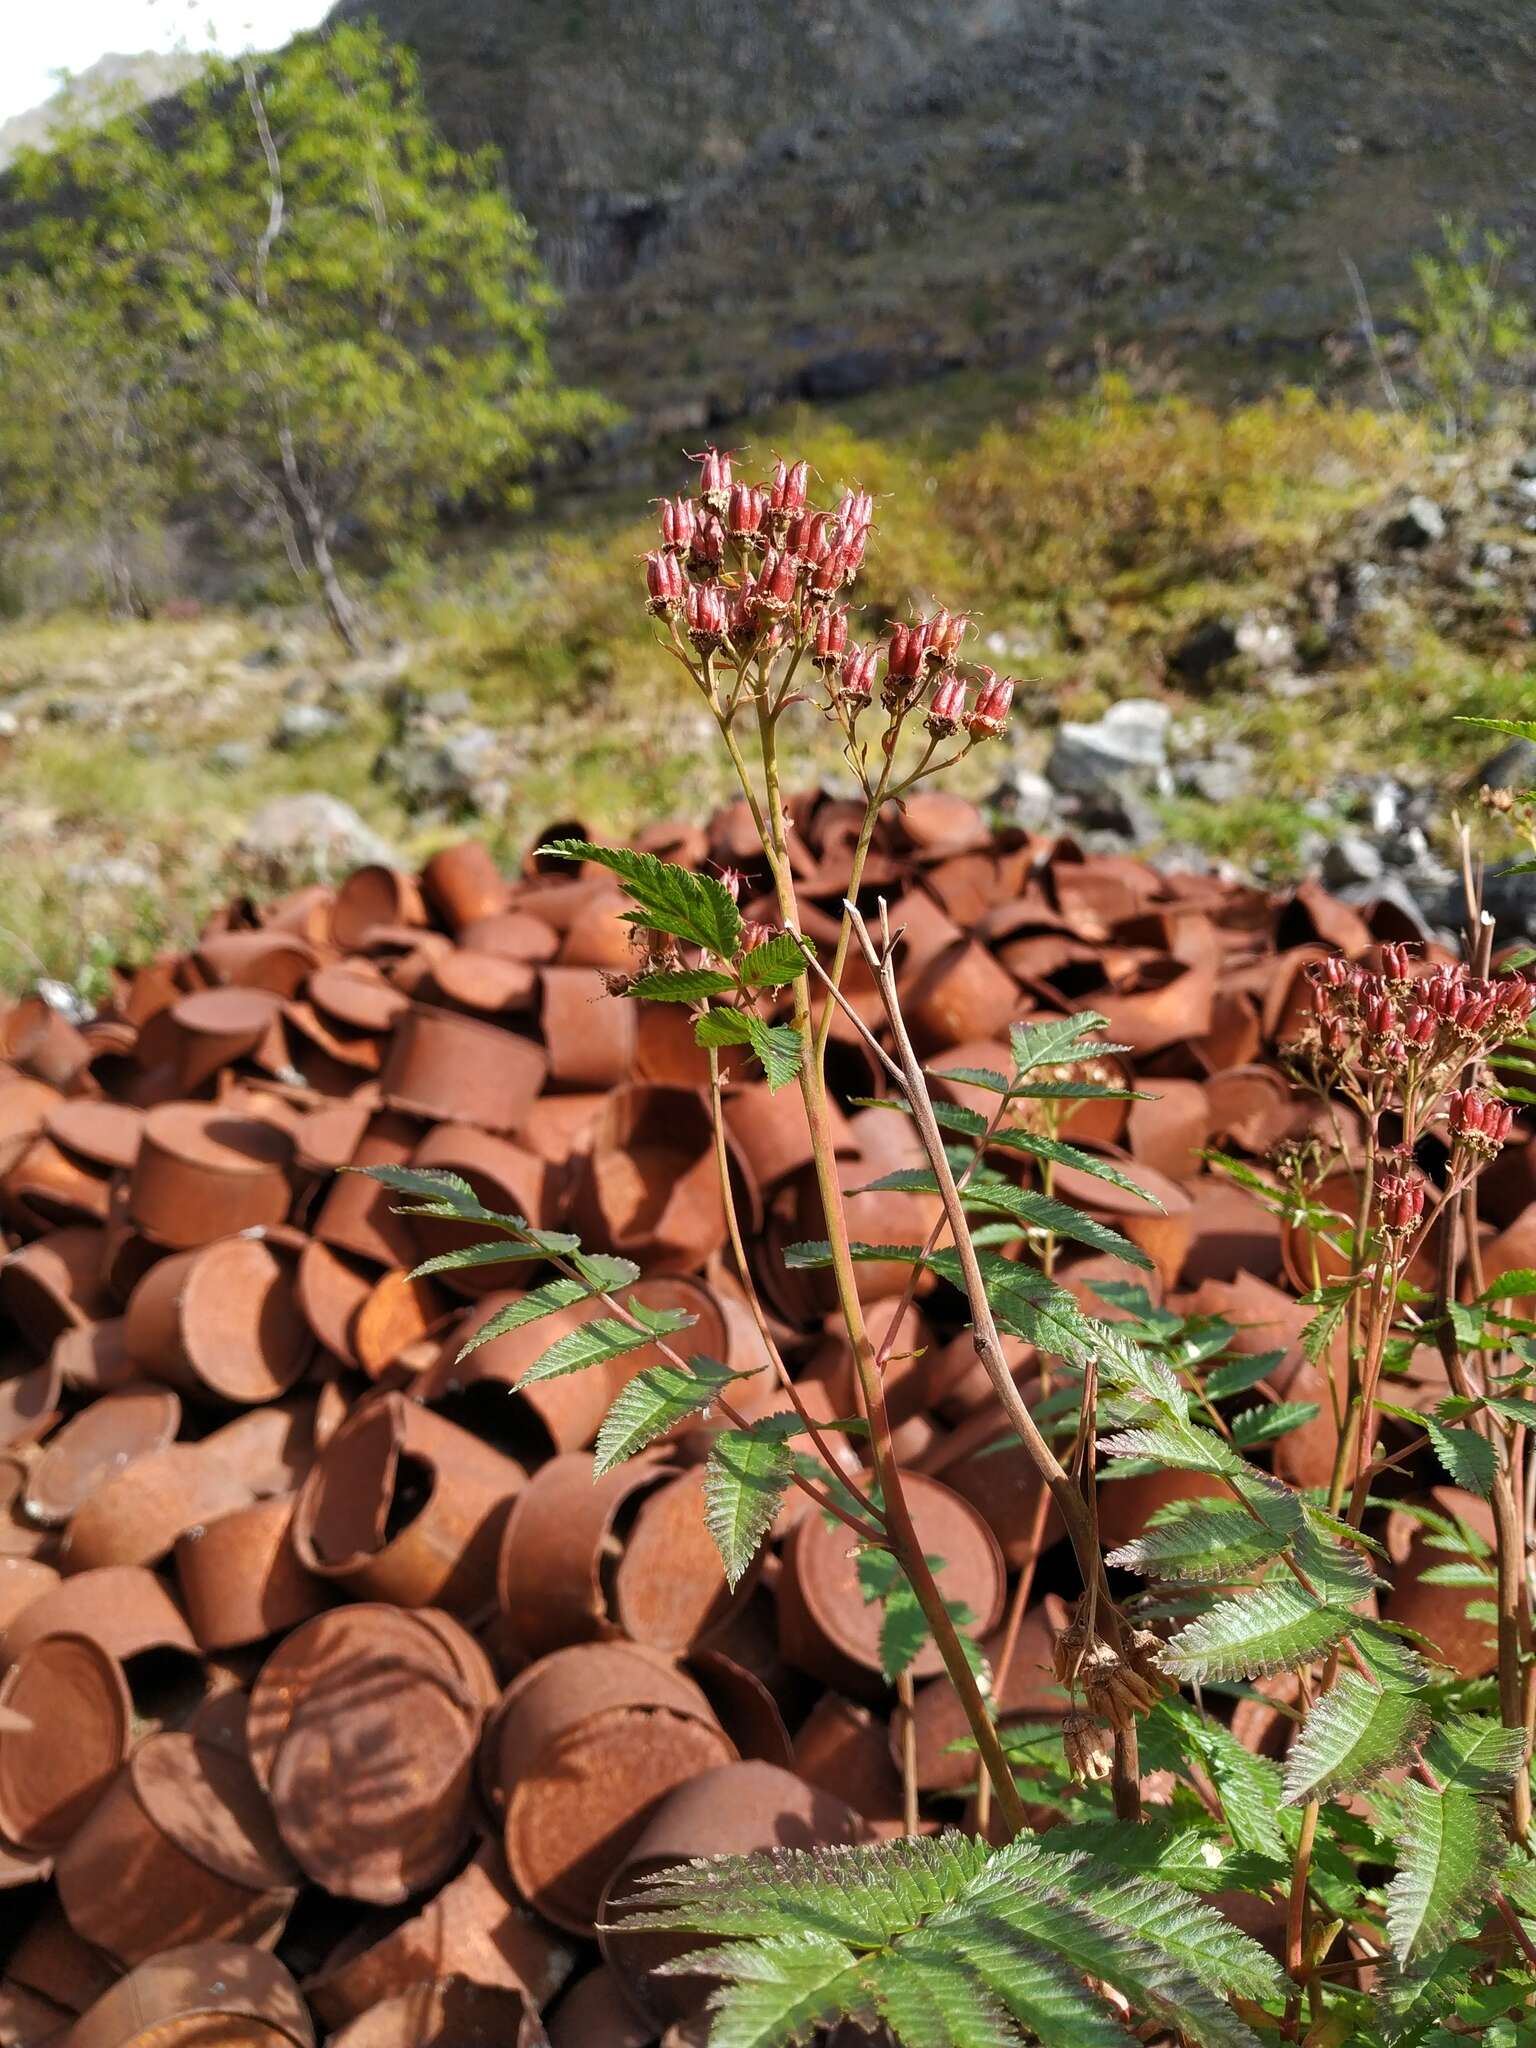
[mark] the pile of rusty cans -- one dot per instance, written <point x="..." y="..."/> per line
<point x="338" y="1702"/>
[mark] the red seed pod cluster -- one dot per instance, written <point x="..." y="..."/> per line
<point x="1427" y="1027"/>
<point x="1477" y="1120"/>
<point x="747" y="567"/>
<point x="664" y="584"/>
<point x="1399" y="1204"/>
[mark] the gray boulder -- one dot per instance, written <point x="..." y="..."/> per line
<point x="304" y="725"/>
<point x="295" y="838"/>
<point x="1128" y="745"/>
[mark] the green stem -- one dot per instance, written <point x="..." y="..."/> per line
<point x="900" y="1530"/>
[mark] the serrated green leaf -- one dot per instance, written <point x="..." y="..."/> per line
<point x="1183" y="1445"/>
<point x="1387" y="1654"/>
<point x="1448" y="1862"/>
<point x="1237" y="1375"/>
<point x="1044" y="1212"/>
<point x="722" y="1027"/>
<point x="1275" y="1627"/>
<point x="1466" y="1456"/>
<point x="1247" y="1785"/>
<point x="1475" y="1754"/>
<point x="1320" y="1332"/>
<point x="1059" y="1042"/>
<point x="1077" y="1091"/>
<point x="903" y="1625"/>
<point x="430" y="1184"/>
<point x="503" y="1252"/>
<point x="1411" y="2006"/>
<point x="1274" y="1419"/>
<point x="941" y="1921"/>
<point x="670" y="899"/>
<point x="655" y="1401"/>
<point x="775" y="962"/>
<point x="1511" y="1286"/>
<point x="779" y="1048"/>
<point x="605" y="1337"/>
<point x="1353" y="1734"/>
<point x="529" y="1308"/>
<point x="685" y="985"/>
<point x="1517" y="728"/>
<point x="1060" y="1153"/>
<point x="976" y="1077"/>
<point x="1199" y="1541"/>
<point x="779" y="1989"/>
<point x="744" y="1482"/>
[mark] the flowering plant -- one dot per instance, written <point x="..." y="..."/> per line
<point x="1385" y="1859"/>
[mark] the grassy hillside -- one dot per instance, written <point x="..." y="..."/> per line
<point x="1089" y="539"/>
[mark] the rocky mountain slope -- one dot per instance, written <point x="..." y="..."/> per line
<point x="146" y="76"/>
<point x="753" y="199"/>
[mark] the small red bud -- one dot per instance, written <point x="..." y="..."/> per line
<point x="1379" y="1015"/>
<point x="744" y="514"/>
<point x="714" y="479"/>
<point x="679" y="516"/>
<point x="935" y="634"/>
<point x="708" y="616"/>
<point x="947" y="709"/>
<point x="1418" y="1024"/>
<point x="664" y="583"/>
<point x="786" y="493"/>
<point x="856" y="678"/>
<point x="707" y="548"/>
<point x="830" y="574"/>
<point x="1399" y="1204"/>
<point x="732" y="881"/>
<point x="989" y="719"/>
<point x="1478" y="1120"/>
<point x="1396" y="960"/>
<point x="831" y="638"/>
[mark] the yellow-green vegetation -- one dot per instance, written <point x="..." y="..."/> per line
<point x="1084" y="535"/>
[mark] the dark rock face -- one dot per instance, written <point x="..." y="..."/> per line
<point x="753" y="199"/>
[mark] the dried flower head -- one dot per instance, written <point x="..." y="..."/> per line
<point x="1088" y="1746"/>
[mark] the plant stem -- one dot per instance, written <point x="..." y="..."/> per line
<point x="900" y="1531"/>
<point x="1076" y="1513"/>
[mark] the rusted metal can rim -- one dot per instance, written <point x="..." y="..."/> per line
<point x="404" y="1750"/>
<point x="136" y="1516"/>
<point x="73" y="1697"/>
<point x="124" y="1608"/>
<point x="211" y="1994"/>
<point x="358" y="1646"/>
<point x="98" y="1444"/>
<point x="473" y="1928"/>
<point x="452" y="2013"/>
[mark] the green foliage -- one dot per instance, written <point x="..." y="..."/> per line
<point x="667" y="898"/>
<point x="745" y="1480"/>
<point x="604" y="1338"/>
<point x="84" y="433"/>
<point x="1448" y="1861"/>
<point x="903" y="1625"/>
<point x="338" y="318"/>
<point x="1353" y="1734"/>
<point x="1469" y="329"/>
<point x="700" y="912"/>
<point x="655" y="1401"/>
<point x="952" y="1945"/>
<point x="1274" y="1627"/>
